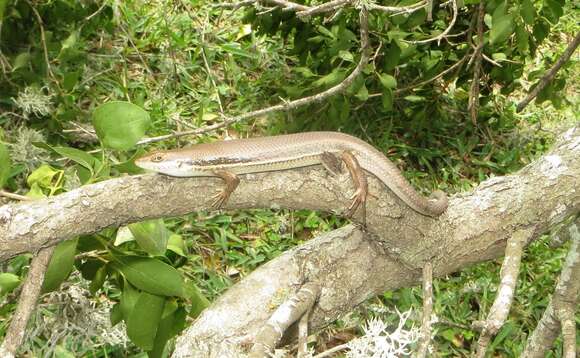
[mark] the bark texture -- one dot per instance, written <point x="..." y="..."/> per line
<point x="357" y="265"/>
<point x="352" y="264"/>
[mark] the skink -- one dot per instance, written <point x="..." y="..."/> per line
<point x="227" y="159"/>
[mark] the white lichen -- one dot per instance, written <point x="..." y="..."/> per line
<point x="379" y="342"/>
<point x="33" y="101"/>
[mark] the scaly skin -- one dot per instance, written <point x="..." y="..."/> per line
<point x="254" y="155"/>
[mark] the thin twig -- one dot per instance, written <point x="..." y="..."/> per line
<point x="397" y="10"/>
<point x="323" y="8"/>
<point x="303" y="335"/>
<point x="473" y="102"/>
<point x="290" y="105"/>
<point x="332" y="350"/>
<point x="427" y="310"/>
<point x="42" y="40"/>
<point x="549" y="76"/>
<point x="286" y="5"/>
<point x="505" y="294"/>
<point x="208" y="69"/>
<point x="234" y="5"/>
<point x="9" y="195"/>
<point x="28" y="298"/>
<point x="442" y="35"/>
<point x="88" y="18"/>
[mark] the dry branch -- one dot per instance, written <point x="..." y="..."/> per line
<point x="27" y="303"/>
<point x="286" y="314"/>
<point x="473" y="105"/>
<point x="505" y="294"/>
<point x="560" y="311"/>
<point x="427" y="310"/>
<point x="549" y="76"/>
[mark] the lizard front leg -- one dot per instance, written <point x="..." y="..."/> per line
<point x="222" y="196"/>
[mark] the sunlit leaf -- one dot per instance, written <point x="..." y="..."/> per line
<point x="120" y="125"/>
<point x="151" y="275"/>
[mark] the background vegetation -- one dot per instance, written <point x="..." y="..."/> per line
<point x="187" y="64"/>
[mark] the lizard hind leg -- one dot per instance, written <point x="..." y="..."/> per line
<point x="231" y="180"/>
<point x="359" y="179"/>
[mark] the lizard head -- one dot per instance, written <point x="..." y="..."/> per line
<point x="167" y="162"/>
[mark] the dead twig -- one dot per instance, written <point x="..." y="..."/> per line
<point x="505" y="294"/>
<point x="323" y="8"/>
<point x="549" y="76"/>
<point x="559" y="315"/>
<point x="427" y="310"/>
<point x="13" y="196"/>
<point x="442" y="35"/>
<point x="27" y="303"/>
<point x="289" y="312"/>
<point x="42" y="40"/>
<point x="397" y="10"/>
<point x="473" y="102"/>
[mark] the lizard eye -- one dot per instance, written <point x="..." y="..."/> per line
<point x="157" y="157"/>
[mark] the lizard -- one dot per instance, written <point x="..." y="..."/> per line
<point x="228" y="159"/>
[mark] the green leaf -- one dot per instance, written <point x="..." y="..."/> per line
<point x="151" y="236"/>
<point x="98" y="280"/>
<point x="522" y="40"/>
<point x="502" y="25"/>
<point x="346" y="55"/>
<point x="8" y="282"/>
<point x="78" y="156"/>
<point x="5" y="164"/>
<point x="70" y="41"/>
<point x="144" y="320"/>
<point x="198" y="301"/>
<point x="151" y="275"/>
<point x="363" y="93"/>
<point x="392" y="56"/>
<point x="176" y="244"/>
<point x="21" y="60"/>
<point x="330" y="79"/>
<point x="128" y="300"/>
<point x="45" y="177"/>
<point x="413" y="98"/>
<point x="3" y="4"/>
<point x="387" y="81"/>
<point x="60" y="266"/>
<point x="165" y="329"/>
<point x="116" y="314"/>
<point x="541" y="30"/>
<point x="528" y="12"/>
<point x="123" y="235"/>
<point x="387" y="99"/>
<point x="120" y="125"/>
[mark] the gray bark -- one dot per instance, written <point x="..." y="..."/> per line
<point x="354" y="264"/>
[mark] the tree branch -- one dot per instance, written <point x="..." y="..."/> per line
<point x="28" y="298"/>
<point x="473" y="105"/>
<point x="446" y="31"/>
<point x="549" y="76"/>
